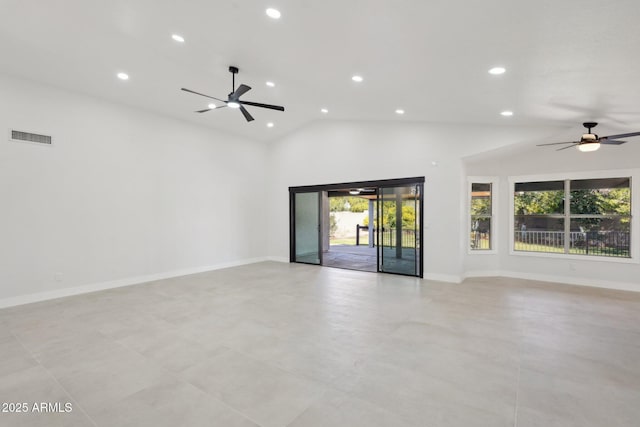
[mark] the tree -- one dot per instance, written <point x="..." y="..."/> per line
<point x="589" y="201"/>
<point x="348" y="204"/>
<point x="617" y="201"/>
<point x="480" y="206"/>
<point x="389" y="216"/>
<point x="539" y="202"/>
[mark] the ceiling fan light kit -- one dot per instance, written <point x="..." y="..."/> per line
<point x="591" y="142"/>
<point x="233" y="99"/>
<point x="588" y="146"/>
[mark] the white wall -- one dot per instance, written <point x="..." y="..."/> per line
<point x="126" y="195"/>
<point x="121" y="194"/>
<point x="334" y="151"/>
<point x="531" y="160"/>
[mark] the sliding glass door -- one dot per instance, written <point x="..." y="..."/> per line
<point x="399" y="229"/>
<point x="393" y="222"/>
<point x="306" y="228"/>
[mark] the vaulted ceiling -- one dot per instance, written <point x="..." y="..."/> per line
<point x="567" y="61"/>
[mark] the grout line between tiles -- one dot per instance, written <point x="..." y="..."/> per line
<point x="323" y="384"/>
<point x="176" y="377"/>
<point x="53" y="377"/>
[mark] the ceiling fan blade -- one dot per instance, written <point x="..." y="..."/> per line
<point x="256" y="104"/>
<point x="209" y="109"/>
<point x="564" y="148"/>
<point x="202" y="94"/>
<point x="246" y="114"/>
<point x="622" y="135"/>
<point x="242" y="89"/>
<point x="557" y="143"/>
<point x="611" y="141"/>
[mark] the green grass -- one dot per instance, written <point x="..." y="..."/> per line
<point x="530" y="247"/>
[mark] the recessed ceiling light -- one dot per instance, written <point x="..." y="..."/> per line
<point x="357" y="78"/>
<point x="178" y="38"/>
<point x="497" y="71"/>
<point x="324" y="111"/>
<point x="399" y="111"/>
<point x="232" y="104"/>
<point x="507" y="113"/>
<point x="273" y="13"/>
<point x="212" y="106"/>
<point x="123" y="76"/>
<point x="271" y="84"/>
<point x="270" y="125"/>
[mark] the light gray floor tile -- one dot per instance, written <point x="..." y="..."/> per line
<point x="102" y="381"/>
<point x="36" y="386"/>
<point x="172" y="403"/>
<point x="555" y="400"/>
<point x="275" y="344"/>
<point x="14" y="356"/>
<point x="337" y="409"/>
<point x="418" y="396"/>
<point x="268" y="395"/>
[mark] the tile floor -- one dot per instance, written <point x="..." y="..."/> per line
<point x="275" y="344"/>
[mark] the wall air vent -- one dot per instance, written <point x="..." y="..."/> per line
<point x="20" y="136"/>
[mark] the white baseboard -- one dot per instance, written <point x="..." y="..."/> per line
<point x="577" y="281"/>
<point x="94" y="287"/>
<point x="278" y="259"/>
<point x="482" y="273"/>
<point x="450" y="278"/>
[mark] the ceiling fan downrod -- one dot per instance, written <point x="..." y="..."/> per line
<point x="233" y="70"/>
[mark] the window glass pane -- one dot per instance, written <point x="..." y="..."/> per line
<point x="538" y="233"/>
<point x="601" y="237"/>
<point x="599" y="218"/>
<point x="480" y="238"/>
<point x="480" y="199"/>
<point x="601" y="196"/>
<point x="539" y="198"/>
<point x="307" y="225"/>
<point x="480" y="233"/>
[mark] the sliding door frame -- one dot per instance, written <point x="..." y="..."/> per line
<point x="378" y="184"/>
<point x="358" y="184"/>
<point x="419" y="257"/>
<point x="292" y="227"/>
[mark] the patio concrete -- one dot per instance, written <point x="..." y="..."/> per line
<point x="362" y="258"/>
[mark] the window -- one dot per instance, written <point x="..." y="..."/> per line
<point x="481" y="206"/>
<point x="595" y="222"/>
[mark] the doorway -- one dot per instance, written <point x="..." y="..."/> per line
<point x="371" y="226"/>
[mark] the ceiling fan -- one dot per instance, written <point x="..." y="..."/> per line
<point x="357" y="191"/>
<point x="233" y="99"/>
<point x="591" y="142"/>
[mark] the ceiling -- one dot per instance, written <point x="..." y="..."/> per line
<point x="567" y="61"/>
